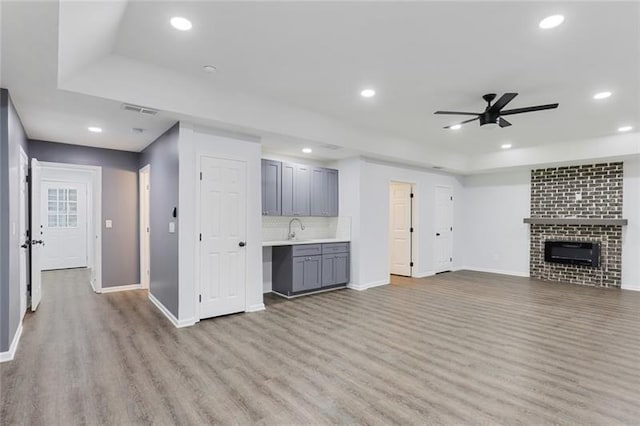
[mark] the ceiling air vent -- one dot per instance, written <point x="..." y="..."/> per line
<point x="331" y="147"/>
<point x="139" y="109"/>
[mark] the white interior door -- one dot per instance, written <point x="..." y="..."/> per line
<point x="444" y="229"/>
<point x="145" y="227"/>
<point x="63" y="208"/>
<point x="36" y="235"/>
<point x="24" y="237"/>
<point x="400" y="228"/>
<point x="223" y="217"/>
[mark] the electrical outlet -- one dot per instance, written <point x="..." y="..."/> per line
<point x="108" y="223"/>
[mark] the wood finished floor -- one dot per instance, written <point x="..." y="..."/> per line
<point x="458" y="348"/>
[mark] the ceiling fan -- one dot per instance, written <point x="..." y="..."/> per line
<point x="493" y="112"/>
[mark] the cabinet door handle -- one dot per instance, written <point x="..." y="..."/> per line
<point x="242" y="244"/>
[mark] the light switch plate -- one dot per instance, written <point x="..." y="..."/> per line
<point x="172" y="227"/>
<point x="108" y="223"/>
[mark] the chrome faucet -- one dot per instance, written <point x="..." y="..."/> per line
<point x="292" y="235"/>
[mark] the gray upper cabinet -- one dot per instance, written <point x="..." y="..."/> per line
<point x="295" y="189"/>
<point x="290" y="189"/>
<point x="324" y="192"/>
<point x="271" y="188"/>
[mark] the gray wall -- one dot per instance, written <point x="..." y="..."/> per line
<point x="12" y="137"/>
<point x="120" y="244"/>
<point x="162" y="155"/>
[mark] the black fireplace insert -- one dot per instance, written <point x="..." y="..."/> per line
<point x="572" y="252"/>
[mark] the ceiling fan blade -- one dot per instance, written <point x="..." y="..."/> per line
<point x="462" y="122"/>
<point x="502" y="102"/>
<point x="528" y="109"/>
<point x="456" y="113"/>
<point x="503" y="123"/>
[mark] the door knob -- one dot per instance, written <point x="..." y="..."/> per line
<point x="26" y="244"/>
<point x="437" y="234"/>
<point x="242" y="244"/>
<point x="34" y="242"/>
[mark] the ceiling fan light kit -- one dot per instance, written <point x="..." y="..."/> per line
<point x="493" y="112"/>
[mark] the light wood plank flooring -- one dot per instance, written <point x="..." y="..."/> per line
<point x="458" y="348"/>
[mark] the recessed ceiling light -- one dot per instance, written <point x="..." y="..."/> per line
<point x="456" y="127"/>
<point x="94" y="129"/>
<point x="180" y="23"/>
<point x="625" y="128"/>
<point x="209" y="69"/>
<point x="601" y="95"/>
<point x="307" y="150"/>
<point x="551" y="22"/>
<point x="368" y="93"/>
<point x="505" y="146"/>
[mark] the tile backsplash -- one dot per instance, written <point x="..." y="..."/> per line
<point x="276" y="228"/>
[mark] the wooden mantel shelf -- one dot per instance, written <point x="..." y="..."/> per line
<point x="574" y="221"/>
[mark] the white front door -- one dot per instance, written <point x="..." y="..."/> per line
<point x="36" y="235"/>
<point x="64" y="216"/>
<point x="444" y="229"/>
<point x="223" y="216"/>
<point x="400" y="228"/>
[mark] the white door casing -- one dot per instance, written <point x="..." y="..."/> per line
<point x="223" y="224"/>
<point x="64" y="220"/>
<point x="36" y="236"/>
<point x="400" y="228"/>
<point x="444" y="229"/>
<point x="24" y="225"/>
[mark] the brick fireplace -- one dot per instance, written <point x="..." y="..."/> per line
<point x="579" y="204"/>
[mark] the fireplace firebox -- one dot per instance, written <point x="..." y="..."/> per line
<point x="572" y="252"/>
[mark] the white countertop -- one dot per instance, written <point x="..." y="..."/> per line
<point x="297" y="242"/>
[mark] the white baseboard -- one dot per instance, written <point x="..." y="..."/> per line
<point x="493" y="271"/>
<point x="255" y="308"/>
<point x="11" y="353"/>
<point x="121" y="288"/>
<point x="167" y="313"/>
<point x="366" y="286"/>
<point x="423" y="274"/>
<point x="626" y="287"/>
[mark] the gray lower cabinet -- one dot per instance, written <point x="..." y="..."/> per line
<point x="304" y="268"/>
<point x="271" y="188"/>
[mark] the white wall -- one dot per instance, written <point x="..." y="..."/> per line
<point x="494" y="237"/>
<point x="195" y="141"/>
<point x="631" y="232"/>
<point x="364" y="195"/>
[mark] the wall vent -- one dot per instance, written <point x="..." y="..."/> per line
<point x="139" y="109"/>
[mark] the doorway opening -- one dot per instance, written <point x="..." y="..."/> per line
<point x="144" y="179"/>
<point x="66" y="205"/>
<point x="402" y="215"/>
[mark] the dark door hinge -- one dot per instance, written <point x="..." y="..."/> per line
<point x="200" y="298"/>
<point x="451" y="228"/>
<point x="410" y="229"/>
<point x="411" y="196"/>
<point x="451" y="259"/>
<point x="452" y="198"/>
<point x="411" y="264"/>
<point x="200" y="237"/>
<point x="26" y="178"/>
<point x="200" y="175"/>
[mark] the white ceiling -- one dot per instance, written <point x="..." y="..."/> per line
<point x="313" y="58"/>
